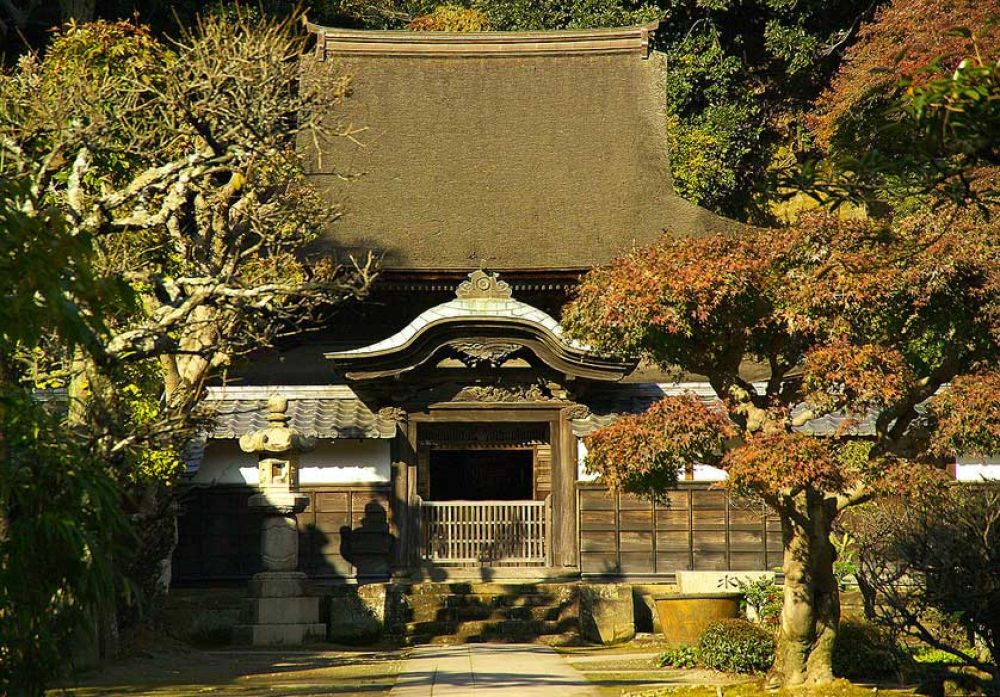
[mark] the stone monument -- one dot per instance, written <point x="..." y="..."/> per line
<point x="279" y="611"/>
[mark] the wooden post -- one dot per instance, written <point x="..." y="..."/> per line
<point x="548" y="530"/>
<point x="564" y="538"/>
<point x="399" y="521"/>
<point x="402" y="457"/>
<point x="412" y="541"/>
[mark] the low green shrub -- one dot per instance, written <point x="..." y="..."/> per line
<point x="683" y="656"/>
<point x="736" y="646"/>
<point x="761" y="600"/>
<point x="865" y="651"/>
<point x="928" y="656"/>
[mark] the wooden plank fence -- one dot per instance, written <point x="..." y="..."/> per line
<point x="476" y="532"/>
<point x="695" y="528"/>
<point x="343" y="534"/>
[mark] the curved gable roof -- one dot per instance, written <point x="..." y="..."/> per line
<point x="543" y="150"/>
<point x="484" y="317"/>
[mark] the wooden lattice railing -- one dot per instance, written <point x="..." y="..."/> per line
<point x="490" y="532"/>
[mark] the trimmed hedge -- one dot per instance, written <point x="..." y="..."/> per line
<point x="736" y="646"/>
<point x="865" y="651"/>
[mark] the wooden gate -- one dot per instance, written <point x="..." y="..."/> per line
<point x="513" y="533"/>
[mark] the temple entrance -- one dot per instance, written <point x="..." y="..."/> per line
<point x="481" y="475"/>
<point x="484" y="493"/>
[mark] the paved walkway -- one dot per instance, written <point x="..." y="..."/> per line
<point x="488" y="670"/>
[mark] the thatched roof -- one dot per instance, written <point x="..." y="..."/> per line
<point x="514" y="150"/>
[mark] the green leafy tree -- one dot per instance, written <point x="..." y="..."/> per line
<point x="450" y="18"/>
<point x="179" y="163"/>
<point x="61" y="520"/>
<point x="174" y="166"/>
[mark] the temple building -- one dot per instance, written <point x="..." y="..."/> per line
<point x="488" y="172"/>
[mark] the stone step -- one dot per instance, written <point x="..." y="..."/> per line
<point x="484" y="630"/>
<point x="493" y="589"/>
<point x="528" y="599"/>
<point x="467" y="613"/>
<point x="559" y="639"/>
<point x="278" y="634"/>
<point x="304" y="610"/>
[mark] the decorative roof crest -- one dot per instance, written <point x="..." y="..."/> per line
<point x="483" y="286"/>
<point x="277" y="436"/>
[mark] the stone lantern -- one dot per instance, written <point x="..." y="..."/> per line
<point x="278" y="610"/>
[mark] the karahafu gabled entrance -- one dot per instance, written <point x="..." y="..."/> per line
<point x="489" y="383"/>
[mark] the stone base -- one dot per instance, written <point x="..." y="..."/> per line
<point x="279" y="613"/>
<point x="357" y="614"/>
<point x="607" y="614"/>
<point x="278" y="634"/>
<point x="643" y="594"/>
<point x="302" y="610"/>
<point x="278" y="584"/>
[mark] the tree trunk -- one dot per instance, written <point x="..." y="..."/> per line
<point x="810" y="615"/>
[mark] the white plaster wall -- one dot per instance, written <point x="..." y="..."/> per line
<point x="582" y="473"/>
<point x="346" y="462"/>
<point x="331" y="462"/>
<point x="225" y="463"/>
<point x="975" y="468"/>
<point x="707" y="473"/>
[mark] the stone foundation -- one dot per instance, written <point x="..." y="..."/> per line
<point x="203" y="616"/>
<point x="646" y="619"/>
<point x="279" y="613"/>
<point x="607" y="615"/>
<point x="360" y="615"/>
<point x="557" y="613"/>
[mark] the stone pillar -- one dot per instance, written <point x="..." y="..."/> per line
<point x="279" y="611"/>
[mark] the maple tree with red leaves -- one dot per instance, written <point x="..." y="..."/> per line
<point x="911" y="114"/>
<point x="866" y="318"/>
<point x="912" y="41"/>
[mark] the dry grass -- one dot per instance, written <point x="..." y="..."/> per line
<point x="839" y="688"/>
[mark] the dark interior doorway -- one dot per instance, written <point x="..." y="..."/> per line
<point x="481" y="475"/>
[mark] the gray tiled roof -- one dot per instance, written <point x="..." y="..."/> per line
<point x="320" y="411"/>
<point x="319" y="417"/>
<point x="639" y="400"/>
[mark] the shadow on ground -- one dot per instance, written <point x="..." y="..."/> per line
<point x="178" y="670"/>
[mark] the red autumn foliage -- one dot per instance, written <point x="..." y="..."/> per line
<point x="850" y="315"/>
<point x="867" y="317"/>
<point x="901" y="287"/>
<point x="672" y="434"/>
<point x="910" y="481"/>
<point x="904" y="41"/>
<point x="786" y="463"/>
<point x="864" y="377"/>
<point x="690" y="293"/>
<point x="968" y="415"/>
